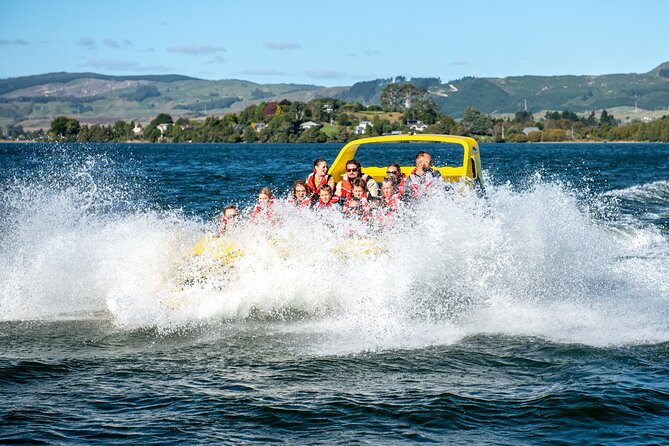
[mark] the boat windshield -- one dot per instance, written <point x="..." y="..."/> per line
<point x="404" y="153"/>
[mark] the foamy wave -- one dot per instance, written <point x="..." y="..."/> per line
<point x="533" y="262"/>
<point x="656" y="192"/>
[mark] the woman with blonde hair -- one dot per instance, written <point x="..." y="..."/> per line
<point x="265" y="205"/>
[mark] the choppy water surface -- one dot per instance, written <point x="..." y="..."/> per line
<point x="536" y="314"/>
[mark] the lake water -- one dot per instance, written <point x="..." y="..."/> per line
<point x="538" y="313"/>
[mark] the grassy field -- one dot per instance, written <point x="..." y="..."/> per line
<point x="370" y="115"/>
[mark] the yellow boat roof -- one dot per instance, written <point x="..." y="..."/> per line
<point x="468" y="170"/>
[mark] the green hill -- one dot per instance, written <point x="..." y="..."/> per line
<point x="33" y="101"/>
<point x="649" y="91"/>
<point x="18" y="83"/>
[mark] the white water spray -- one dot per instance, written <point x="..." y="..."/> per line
<point x="533" y="262"/>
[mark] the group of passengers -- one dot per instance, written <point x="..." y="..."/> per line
<point x="356" y="194"/>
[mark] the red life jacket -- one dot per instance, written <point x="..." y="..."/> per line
<point x="259" y="211"/>
<point x="320" y="205"/>
<point x="419" y="184"/>
<point x="300" y="204"/>
<point x="347" y="189"/>
<point x="401" y="184"/>
<point x="311" y="182"/>
<point x="360" y="211"/>
<point x="363" y="199"/>
<point x="392" y="203"/>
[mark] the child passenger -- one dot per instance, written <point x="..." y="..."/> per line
<point x="301" y="195"/>
<point x="228" y="219"/>
<point x="326" y="199"/>
<point x="359" y="195"/>
<point x="265" y="206"/>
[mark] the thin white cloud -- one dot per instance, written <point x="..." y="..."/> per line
<point x="123" y="65"/>
<point x="111" y="43"/>
<point x="366" y="53"/>
<point x="460" y="63"/>
<point x="325" y="74"/>
<point x="87" y="42"/>
<point x="195" y="49"/>
<point x="14" y="42"/>
<point x="263" y="72"/>
<point x="282" y="45"/>
<point x="217" y="60"/>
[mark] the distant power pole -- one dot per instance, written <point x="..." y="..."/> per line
<point x="526" y="104"/>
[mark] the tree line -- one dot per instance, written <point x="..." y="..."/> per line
<point x="330" y="120"/>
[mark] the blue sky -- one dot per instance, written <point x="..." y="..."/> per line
<point x="333" y="43"/>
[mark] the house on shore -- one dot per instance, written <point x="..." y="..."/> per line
<point x="361" y="129"/>
<point x="163" y="128"/>
<point x="138" y="129"/>
<point x="416" y="125"/>
<point x="528" y="130"/>
<point x="309" y="125"/>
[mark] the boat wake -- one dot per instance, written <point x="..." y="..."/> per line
<point x="541" y="261"/>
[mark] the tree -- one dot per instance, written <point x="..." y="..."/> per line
<point x="151" y="131"/>
<point x="446" y="126"/>
<point x="606" y="119"/>
<point x="524" y="117"/>
<point x="591" y="120"/>
<point x="122" y="131"/>
<point x="162" y="118"/>
<point x="476" y="123"/>
<point x="59" y="126"/>
<point x="534" y="136"/>
<point x="402" y="97"/>
<point x="14" y="131"/>
<point x="553" y="135"/>
<point x="65" y="128"/>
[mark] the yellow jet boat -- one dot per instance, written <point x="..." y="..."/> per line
<point x="223" y="253"/>
<point x="465" y="166"/>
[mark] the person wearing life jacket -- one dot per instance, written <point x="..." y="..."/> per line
<point x="228" y="219"/>
<point x="359" y="192"/>
<point x="422" y="177"/>
<point x="264" y="209"/>
<point x="390" y="198"/>
<point x="390" y="203"/>
<point x="353" y="208"/>
<point x="300" y="195"/>
<point x="326" y="199"/>
<point x="353" y="171"/>
<point x="393" y="171"/>
<point x="319" y="177"/>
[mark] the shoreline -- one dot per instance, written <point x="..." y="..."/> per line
<point x="9" y="141"/>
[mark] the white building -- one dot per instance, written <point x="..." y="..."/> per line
<point x="528" y="130"/>
<point x="361" y="129"/>
<point x="309" y="125"/>
<point x="163" y="128"/>
<point x="417" y="125"/>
